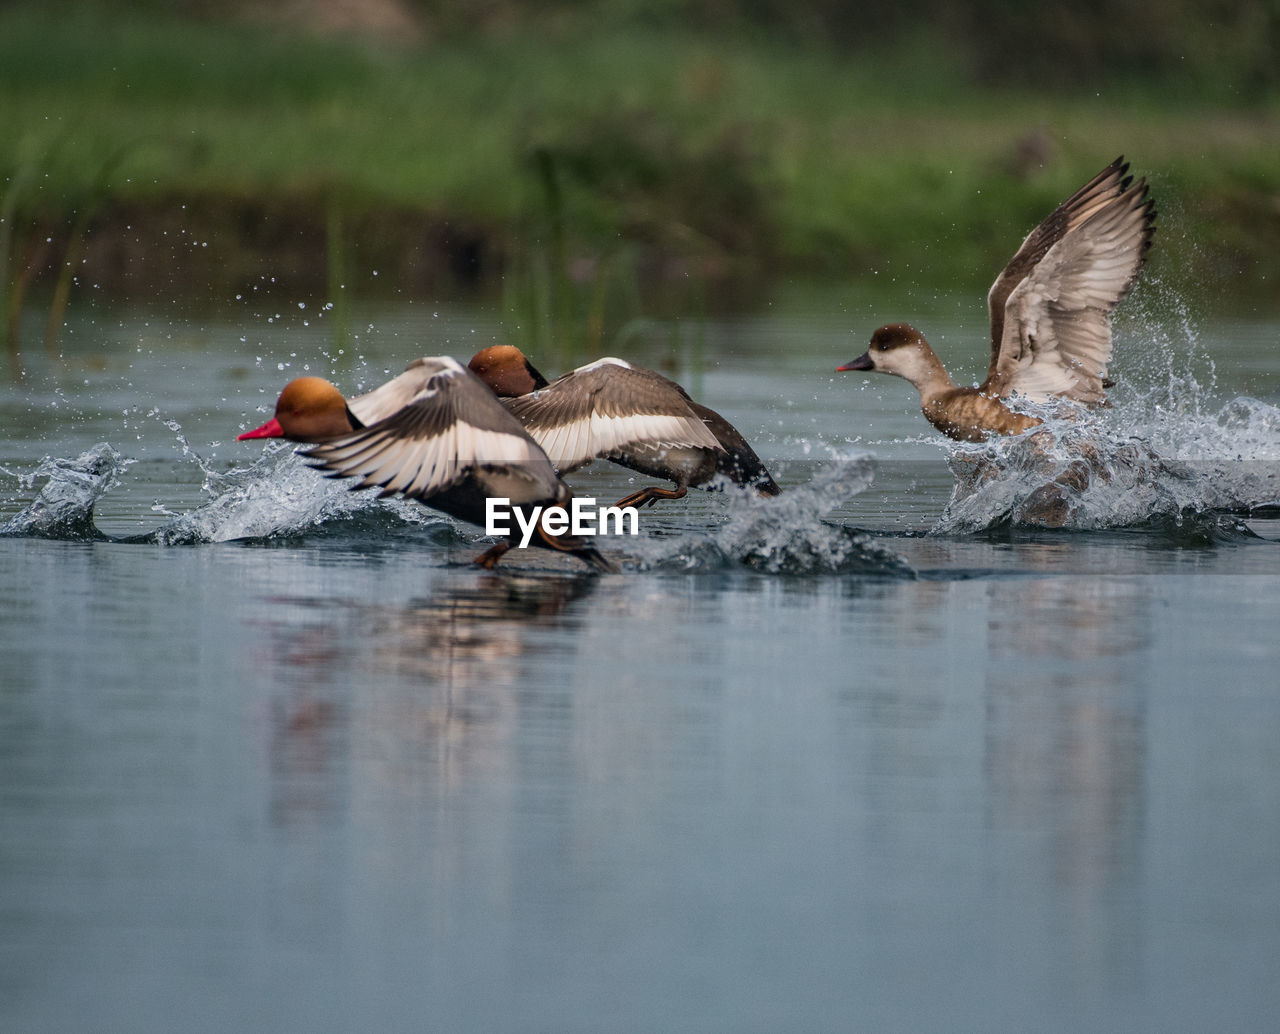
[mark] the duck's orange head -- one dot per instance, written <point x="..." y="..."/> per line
<point x="310" y="409"/>
<point x="506" y="370"/>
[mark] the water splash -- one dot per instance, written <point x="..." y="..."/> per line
<point x="279" y="497"/>
<point x="276" y="496"/>
<point x="1086" y="475"/>
<point x="63" y="509"/>
<point x="785" y="534"/>
<point x="1165" y="372"/>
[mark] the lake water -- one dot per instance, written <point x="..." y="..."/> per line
<point x="275" y="757"/>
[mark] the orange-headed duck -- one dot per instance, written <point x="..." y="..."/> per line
<point x="1050" y="314"/>
<point x="435" y="434"/>
<point x="627" y="414"/>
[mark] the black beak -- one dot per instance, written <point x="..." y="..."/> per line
<point x="863" y="362"/>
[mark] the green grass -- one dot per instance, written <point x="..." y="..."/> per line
<point x="735" y="158"/>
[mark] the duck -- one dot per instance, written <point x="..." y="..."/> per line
<point x="435" y="434"/>
<point x="1050" y="311"/>
<point x="635" y="417"/>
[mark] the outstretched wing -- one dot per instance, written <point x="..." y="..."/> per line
<point x="1051" y="306"/>
<point x="427" y="430"/>
<point x="605" y="408"/>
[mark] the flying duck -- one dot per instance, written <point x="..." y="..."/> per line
<point x="435" y="434"/>
<point x="624" y="413"/>
<point x="1050" y="314"/>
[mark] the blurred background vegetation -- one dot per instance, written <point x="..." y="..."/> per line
<point x="594" y="160"/>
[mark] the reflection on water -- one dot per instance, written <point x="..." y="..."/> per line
<point x="434" y="682"/>
<point x="399" y="783"/>
<point x="1063" y="755"/>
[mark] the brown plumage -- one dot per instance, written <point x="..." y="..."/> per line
<point x="435" y="434"/>
<point x="1050" y="311"/>
<point x="627" y="414"/>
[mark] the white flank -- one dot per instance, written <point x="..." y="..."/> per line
<point x="572" y="444"/>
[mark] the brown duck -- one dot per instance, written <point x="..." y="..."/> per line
<point x="435" y="434"/>
<point x="1050" y="315"/>
<point x="632" y="416"/>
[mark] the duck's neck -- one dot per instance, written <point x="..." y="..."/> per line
<point x="928" y="375"/>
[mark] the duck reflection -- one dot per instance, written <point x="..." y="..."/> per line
<point x="415" y="692"/>
<point x="1065" y="741"/>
